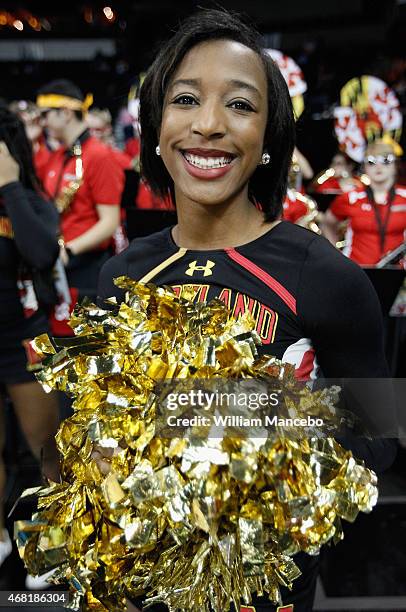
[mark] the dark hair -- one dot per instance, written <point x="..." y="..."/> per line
<point x="63" y="87"/>
<point x="12" y="132"/>
<point x="267" y="185"/>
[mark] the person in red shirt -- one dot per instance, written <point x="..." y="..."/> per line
<point x="85" y="181"/>
<point x="146" y="198"/>
<point x="99" y="121"/>
<point x="376" y="214"/>
<point x="338" y="178"/>
<point x="302" y="210"/>
<point x="294" y="206"/>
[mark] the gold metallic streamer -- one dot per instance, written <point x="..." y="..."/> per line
<point x="194" y="521"/>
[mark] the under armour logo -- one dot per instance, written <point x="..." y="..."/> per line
<point x="207" y="269"/>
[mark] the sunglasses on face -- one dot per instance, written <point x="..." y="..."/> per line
<point x="386" y="160"/>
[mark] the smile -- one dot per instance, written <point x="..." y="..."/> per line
<point x="207" y="162"/>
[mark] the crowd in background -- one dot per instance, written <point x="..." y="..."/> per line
<point x="63" y="213"/>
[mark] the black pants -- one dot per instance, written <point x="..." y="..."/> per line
<point x="301" y="596"/>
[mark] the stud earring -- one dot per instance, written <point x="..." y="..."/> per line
<point x="158" y="150"/>
<point x="265" y="159"/>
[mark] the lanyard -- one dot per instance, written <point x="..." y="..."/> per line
<point x="74" y="151"/>
<point x="381" y="223"/>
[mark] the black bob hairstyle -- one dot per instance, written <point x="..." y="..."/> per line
<point x="267" y="185"/>
<point x="12" y="132"/>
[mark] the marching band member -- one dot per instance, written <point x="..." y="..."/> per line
<point x="338" y="178"/>
<point x="376" y="214"/>
<point x="85" y="181"/>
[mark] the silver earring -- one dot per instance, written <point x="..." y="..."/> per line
<point x="158" y="150"/>
<point x="265" y="159"/>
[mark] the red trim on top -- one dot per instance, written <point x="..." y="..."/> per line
<point x="266" y="278"/>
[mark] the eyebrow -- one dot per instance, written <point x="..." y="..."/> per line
<point x="234" y="82"/>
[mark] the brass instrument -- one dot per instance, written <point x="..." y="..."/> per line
<point x="322" y="177"/>
<point x="64" y="199"/>
<point x="295" y="175"/>
<point x="312" y="216"/>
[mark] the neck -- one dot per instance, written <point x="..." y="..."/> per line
<point x="206" y="227"/>
<point x="383" y="188"/>
<point x="73" y="131"/>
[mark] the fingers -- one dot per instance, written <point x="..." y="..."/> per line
<point x="102" y="463"/>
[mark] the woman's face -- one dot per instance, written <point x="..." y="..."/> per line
<point x="380" y="164"/>
<point x="213" y="122"/>
<point x="340" y="165"/>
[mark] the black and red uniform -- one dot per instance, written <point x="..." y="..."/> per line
<point x="312" y="307"/>
<point x="28" y="239"/>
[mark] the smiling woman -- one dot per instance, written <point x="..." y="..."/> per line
<point x="218" y="134"/>
<point x="213" y="126"/>
<point x="212" y="83"/>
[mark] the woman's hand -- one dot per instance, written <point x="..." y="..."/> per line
<point x="103" y="456"/>
<point x="9" y="168"/>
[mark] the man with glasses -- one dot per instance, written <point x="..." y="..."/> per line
<point x="376" y="214"/>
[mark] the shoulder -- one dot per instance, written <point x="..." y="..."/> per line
<point x="324" y="258"/>
<point x="400" y="193"/>
<point x="142" y="255"/>
<point x="335" y="282"/>
<point x="356" y="195"/>
<point x="95" y="151"/>
<point x="291" y="239"/>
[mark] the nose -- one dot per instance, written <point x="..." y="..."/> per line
<point x="209" y="120"/>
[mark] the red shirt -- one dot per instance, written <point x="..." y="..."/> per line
<point x="132" y="147"/>
<point x="331" y="186"/>
<point x="103" y="182"/>
<point x="124" y="160"/>
<point x="363" y="237"/>
<point x="41" y="155"/>
<point x="293" y="208"/>
<point x="146" y="198"/>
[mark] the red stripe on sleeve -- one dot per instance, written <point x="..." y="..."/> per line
<point x="266" y="278"/>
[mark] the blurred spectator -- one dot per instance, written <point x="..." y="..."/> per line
<point x="86" y="182"/>
<point x="42" y="146"/>
<point x="28" y="250"/>
<point x="338" y="178"/>
<point x="376" y="214"/>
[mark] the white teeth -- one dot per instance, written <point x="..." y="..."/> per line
<point x="207" y="162"/>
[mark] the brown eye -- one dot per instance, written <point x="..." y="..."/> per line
<point x="185" y="100"/>
<point x="241" y="105"/>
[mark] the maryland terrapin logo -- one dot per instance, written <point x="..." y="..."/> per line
<point x="207" y="269"/>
